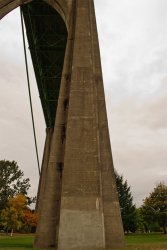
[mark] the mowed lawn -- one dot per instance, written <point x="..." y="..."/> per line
<point x="132" y="242"/>
<point x="16" y="242"/>
<point x="146" y="242"/>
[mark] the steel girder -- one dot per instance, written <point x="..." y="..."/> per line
<point x="47" y="37"/>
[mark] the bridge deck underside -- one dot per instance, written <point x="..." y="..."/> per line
<point x="47" y="36"/>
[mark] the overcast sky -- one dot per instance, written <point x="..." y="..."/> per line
<point x="133" y="43"/>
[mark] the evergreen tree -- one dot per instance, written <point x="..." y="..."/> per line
<point x="128" y="209"/>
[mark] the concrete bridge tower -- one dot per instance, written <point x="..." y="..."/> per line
<point x="78" y="203"/>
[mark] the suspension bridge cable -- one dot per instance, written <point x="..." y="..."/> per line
<point x="29" y="89"/>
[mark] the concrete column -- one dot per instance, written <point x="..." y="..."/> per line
<point x="43" y="175"/>
<point x="89" y="214"/>
<point x="114" y="235"/>
<point x="48" y="226"/>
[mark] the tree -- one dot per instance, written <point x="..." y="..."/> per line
<point x="128" y="209"/>
<point x="145" y="222"/>
<point x="11" y="182"/>
<point x="30" y="220"/>
<point x="12" y="216"/>
<point x="18" y="216"/>
<point x="155" y="206"/>
<point x="140" y="220"/>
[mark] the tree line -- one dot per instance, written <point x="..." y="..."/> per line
<point x="16" y="214"/>
<point x="151" y="216"/>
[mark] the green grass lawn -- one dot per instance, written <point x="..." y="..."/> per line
<point x="132" y="242"/>
<point x="146" y="242"/>
<point x="146" y="239"/>
<point x="16" y="242"/>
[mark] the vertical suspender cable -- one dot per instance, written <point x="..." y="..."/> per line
<point x="29" y="89"/>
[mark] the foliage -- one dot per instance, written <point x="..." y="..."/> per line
<point x="17" y="215"/>
<point x="155" y="206"/>
<point x="146" y="224"/>
<point x="12" y="216"/>
<point x="128" y="209"/>
<point x="140" y="220"/>
<point x="30" y="220"/>
<point x="12" y="182"/>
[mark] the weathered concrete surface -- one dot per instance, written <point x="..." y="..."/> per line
<point x="88" y="198"/>
<point x="78" y="201"/>
<point x="44" y="169"/>
<point x="48" y="226"/>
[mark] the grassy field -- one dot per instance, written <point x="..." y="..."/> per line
<point x="132" y="242"/>
<point x="16" y="242"/>
<point x="146" y="242"/>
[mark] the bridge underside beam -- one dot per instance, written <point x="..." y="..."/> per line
<point x="47" y="37"/>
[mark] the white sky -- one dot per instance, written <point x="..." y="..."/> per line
<point x="133" y="43"/>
